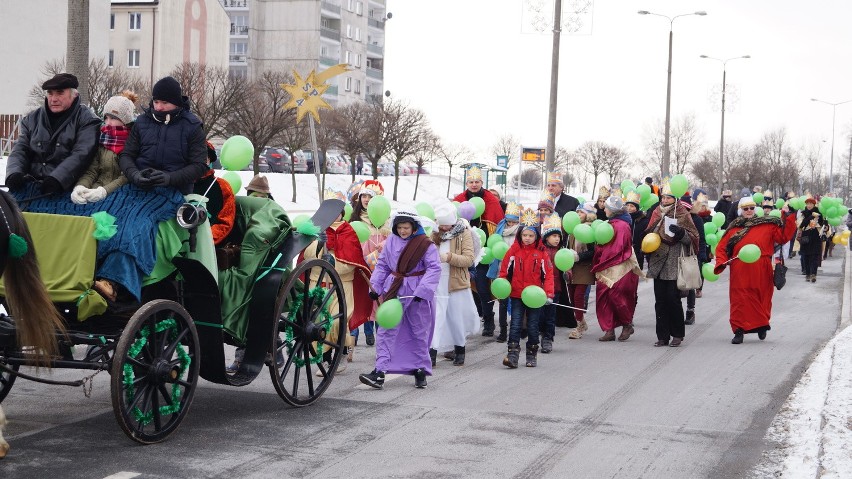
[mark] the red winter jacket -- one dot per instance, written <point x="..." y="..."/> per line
<point x="529" y="265"/>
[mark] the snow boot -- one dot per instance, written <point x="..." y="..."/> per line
<point x="532" y="353"/>
<point x="511" y="359"/>
<point x="738" y="337"/>
<point x="488" y="326"/>
<point x="459" y="359"/>
<point x="433" y="355"/>
<point x="546" y="345"/>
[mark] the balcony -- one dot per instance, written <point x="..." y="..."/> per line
<point x="328" y="61"/>
<point x="374" y="73"/>
<point x="332" y="90"/>
<point x="234" y="3"/>
<point x="237" y="58"/>
<point x="376" y="23"/>
<point x="330" y="7"/>
<point x="239" y="30"/>
<point x="330" y="33"/>
<point x="378" y="50"/>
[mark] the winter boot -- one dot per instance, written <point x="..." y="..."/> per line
<point x="459" y="359"/>
<point x="546" y="345"/>
<point x="504" y="326"/>
<point x="433" y="355"/>
<point x="488" y="326"/>
<point x="532" y="353"/>
<point x="511" y="359"/>
<point x="690" y="317"/>
<point x="738" y="337"/>
<point x="608" y="336"/>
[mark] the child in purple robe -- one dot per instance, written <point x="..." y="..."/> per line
<point x="408" y="269"/>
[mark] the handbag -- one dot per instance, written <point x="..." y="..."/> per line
<point x="688" y="271"/>
<point x="779" y="276"/>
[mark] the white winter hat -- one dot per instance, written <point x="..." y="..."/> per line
<point x="122" y="108"/>
<point x="445" y="215"/>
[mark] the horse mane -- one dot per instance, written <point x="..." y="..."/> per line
<point x="36" y="319"/>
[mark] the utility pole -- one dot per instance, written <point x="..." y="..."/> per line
<point x="550" y="153"/>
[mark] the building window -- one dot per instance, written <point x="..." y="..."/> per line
<point x="348" y="57"/>
<point x="351" y="5"/>
<point x="348" y="31"/>
<point x="348" y="83"/>
<point x="369" y="90"/>
<point x="112" y="21"/>
<point x="111" y="59"/>
<point x="133" y="58"/>
<point x="358" y="86"/>
<point x="357" y="34"/>
<point x="359" y="8"/>
<point x="325" y="22"/>
<point x="358" y="60"/>
<point x="135" y="21"/>
<point x="323" y="51"/>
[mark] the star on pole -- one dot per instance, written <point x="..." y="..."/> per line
<point x="306" y="94"/>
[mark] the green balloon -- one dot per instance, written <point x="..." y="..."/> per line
<point x="233" y="179"/>
<point x="835" y="221"/>
<point x="425" y="210"/>
<point x="361" y="229"/>
<point x="644" y="191"/>
<point x="720" y="233"/>
<point x="711" y="238"/>
<point x="499" y="250"/>
<point x="710" y="228"/>
<point x="627" y="186"/>
<point x="389" y="314"/>
<point x="501" y="288"/>
<point x="649" y="202"/>
<point x="570" y="221"/>
<point x="829" y="211"/>
<point x="758" y="212"/>
<point x="779" y="203"/>
<point x="237" y="153"/>
<point x="707" y="272"/>
<point x="299" y="220"/>
<point x="596" y="222"/>
<point x="533" y="297"/>
<point x="378" y="210"/>
<point x="487" y="257"/>
<point x="758" y="198"/>
<point x="775" y="213"/>
<point x="584" y="233"/>
<point x="718" y="219"/>
<point x="749" y="253"/>
<point x="564" y="259"/>
<point x="481" y="235"/>
<point x="679" y="185"/>
<point x="581" y="200"/>
<point x="604" y="233"/>
<point x="347" y="212"/>
<point x="494" y="239"/>
<point x="479" y="204"/>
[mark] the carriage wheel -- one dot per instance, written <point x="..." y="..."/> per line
<point x="155" y="371"/>
<point x="302" y="335"/>
<point x="7" y="380"/>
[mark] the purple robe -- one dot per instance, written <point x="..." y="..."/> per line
<point x="405" y="348"/>
<point x="615" y="306"/>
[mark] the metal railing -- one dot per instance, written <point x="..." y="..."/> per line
<point x="237" y="58"/>
<point x="374" y="73"/>
<point x="328" y="61"/>
<point x="326" y="5"/>
<point x="234" y="3"/>
<point x="375" y="49"/>
<point x="332" y="90"/>
<point x="239" y="29"/>
<point x="330" y="33"/>
<point x="376" y="23"/>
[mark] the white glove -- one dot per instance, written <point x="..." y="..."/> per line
<point x="78" y="194"/>
<point x="445" y="257"/>
<point x="95" y="195"/>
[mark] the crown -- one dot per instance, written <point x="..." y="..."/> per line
<point x="474" y="173"/>
<point x="555" y="177"/>
<point x="633" y="197"/>
<point x="330" y="194"/>
<point x="355" y="189"/>
<point x="512" y="209"/>
<point x="768" y="194"/>
<point x="372" y="188"/>
<point x="603" y="192"/>
<point x="551" y="224"/>
<point x="529" y="218"/>
<point x="666" y="188"/>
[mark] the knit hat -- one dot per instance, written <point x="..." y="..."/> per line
<point x="258" y="183"/>
<point x="614" y="203"/>
<point x="588" y="208"/>
<point x="211" y="153"/>
<point x="122" y="107"/>
<point x="546" y="202"/>
<point x="168" y="89"/>
<point x="61" y="81"/>
<point x="745" y="201"/>
<point x="445" y="215"/>
<point x="685" y="205"/>
<point x="810" y="199"/>
<point x="552" y="224"/>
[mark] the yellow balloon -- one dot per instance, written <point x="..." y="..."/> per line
<point x="846" y="233"/>
<point x="845" y="241"/>
<point x="836" y="239"/>
<point x="650" y="243"/>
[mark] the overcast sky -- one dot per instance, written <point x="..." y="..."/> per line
<point x="469" y="66"/>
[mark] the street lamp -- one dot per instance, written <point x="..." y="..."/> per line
<point x="831" y="160"/>
<point x="722" y="135"/>
<point x="666" y="155"/>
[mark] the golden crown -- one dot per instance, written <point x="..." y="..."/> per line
<point x="552" y="222"/>
<point x="474" y="173"/>
<point x="603" y="192"/>
<point x="330" y="194"/>
<point x="633" y="197"/>
<point x="555" y="177"/>
<point x="512" y="209"/>
<point x="666" y="188"/>
<point x="529" y="218"/>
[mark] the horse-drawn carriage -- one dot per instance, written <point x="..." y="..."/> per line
<point x="155" y="353"/>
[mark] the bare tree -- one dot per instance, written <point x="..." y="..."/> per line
<point x="294" y="138"/>
<point x="410" y="133"/>
<point x="595" y="157"/>
<point x="348" y="122"/>
<point x="106" y="81"/>
<point x="454" y="155"/>
<point x="613" y="164"/>
<point x="325" y="141"/>
<point x="213" y="93"/>
<point x="507" y="145"/>
<point x="35" y="97"/>
<point x="424" y="155"/>
<point x="77" y="46"/>
<point x="684" y="144"/>
<point x="378" y="132"/>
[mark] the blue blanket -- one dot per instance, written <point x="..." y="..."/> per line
<point x="129" y="255"/>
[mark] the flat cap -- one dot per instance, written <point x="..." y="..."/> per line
<point x="61" y="81"/>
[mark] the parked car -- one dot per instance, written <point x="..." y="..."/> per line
<point x="299" y="161"/>
<point x="262" y="166"/>
<point x="277" y="159"/>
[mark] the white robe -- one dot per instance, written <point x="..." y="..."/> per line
<point x="455" y="313"/>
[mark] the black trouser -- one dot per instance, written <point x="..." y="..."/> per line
<point x="503" y="314"/>
<point x="669" y="310"/>
<point x="564" y="317"/>
<point x="810" y="263"/>
<point x="483" y="290"/>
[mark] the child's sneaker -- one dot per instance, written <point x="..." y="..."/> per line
<point x="375" y="379"/>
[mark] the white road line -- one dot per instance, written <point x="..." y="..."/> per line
<point x="123" y="475"/>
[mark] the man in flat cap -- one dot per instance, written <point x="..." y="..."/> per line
<point x="57" y="142"/>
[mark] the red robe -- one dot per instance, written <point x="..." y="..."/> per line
<point x="493" y="213"/>
<point x="751" y="285"/>
<point x="615" y="306"/>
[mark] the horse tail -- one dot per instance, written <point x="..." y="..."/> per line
<point x="36" y="319"/>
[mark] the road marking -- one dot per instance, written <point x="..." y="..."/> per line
<point x="123" y="475"/>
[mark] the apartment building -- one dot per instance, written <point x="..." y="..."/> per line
<point x="305" y="35"/>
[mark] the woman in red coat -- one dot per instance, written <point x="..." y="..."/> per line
<point x="751" y="285"/>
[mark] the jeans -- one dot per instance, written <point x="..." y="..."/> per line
<point x="547" y="321"/>
<point x="368" y="327"/>
<point x="518" y="311"/>
<point x="483" y="290"/>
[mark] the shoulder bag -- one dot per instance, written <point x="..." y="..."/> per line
<point x="779" y="277"/>
<point x="688" y="271"/>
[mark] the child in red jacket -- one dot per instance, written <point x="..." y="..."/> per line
<point x="526" y="264"/>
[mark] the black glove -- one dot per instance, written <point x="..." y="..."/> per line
<point x="140" y="178"/>
<point x="15" y="181"/>
<point x="678" y="232"/>
<point x="374" y="295"/>
<point x="51" y="186"/>
<point x="322" y="237"/>
<point x="417" y="299"/>
<point x="159" y="178"/>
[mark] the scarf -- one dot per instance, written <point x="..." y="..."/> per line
<point x="684" y="220"/>
<point x="746" y="225"/>
<point x="408" y="259"/>
<point x="114" y="137"/>
<point x="458" y="228"/>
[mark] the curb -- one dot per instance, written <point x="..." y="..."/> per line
<point x="846" y="296"/>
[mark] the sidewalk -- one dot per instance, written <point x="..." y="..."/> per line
<point x="814" y="427"/>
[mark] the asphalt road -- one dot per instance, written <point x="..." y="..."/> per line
<point x="590" y="410"/>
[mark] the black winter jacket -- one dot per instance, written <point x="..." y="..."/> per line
<point x="64" y="154"/>
<point x="178" y="147"/>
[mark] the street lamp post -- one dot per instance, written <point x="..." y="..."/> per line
<point x="666" y="155"/>
<point x="722" y="135"/>
<point x="831" y="160"/>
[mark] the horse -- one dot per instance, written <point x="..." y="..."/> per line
<point x="37" y="322"/>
